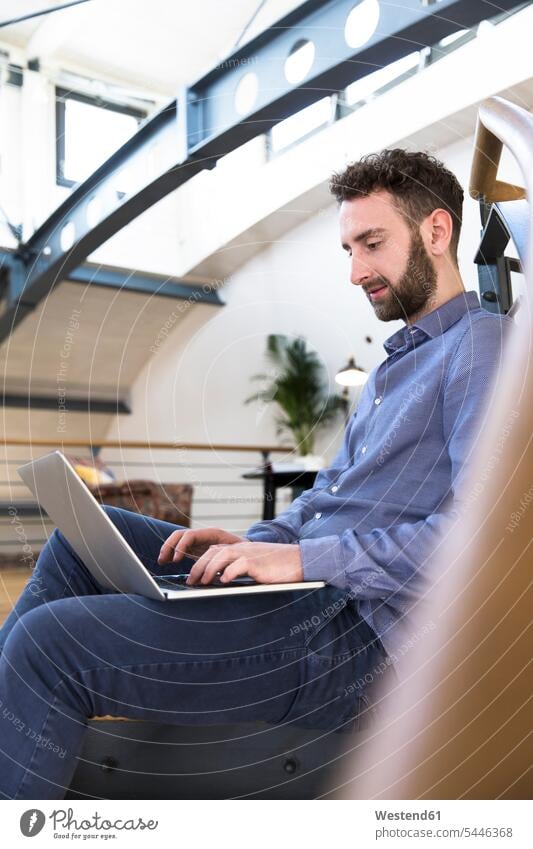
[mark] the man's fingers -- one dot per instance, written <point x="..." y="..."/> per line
<point x="239" y="567"/>
<point x="183" y="545"/>
<point x="193" y="542"/>
<point x="167" y="549"/>
<point x="222" y="557"/>
<point x="203" y="562"/>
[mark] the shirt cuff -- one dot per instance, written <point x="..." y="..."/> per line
<point x="263" y="535"/>
<point x="322" y="560"/>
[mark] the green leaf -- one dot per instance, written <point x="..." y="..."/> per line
<point x="298" y="390"/>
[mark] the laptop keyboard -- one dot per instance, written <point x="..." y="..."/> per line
<point x="179" y="582"/>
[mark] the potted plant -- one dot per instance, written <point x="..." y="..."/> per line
<point x="298" y="389"/>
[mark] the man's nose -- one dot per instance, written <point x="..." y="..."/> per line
<point x="360" y="272"/>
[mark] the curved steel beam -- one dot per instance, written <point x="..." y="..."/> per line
<point x="202" y="124"/>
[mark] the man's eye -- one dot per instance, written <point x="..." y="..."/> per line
<point x="372" y="245"/>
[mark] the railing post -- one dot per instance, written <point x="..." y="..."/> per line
<point x="269" y="491"/>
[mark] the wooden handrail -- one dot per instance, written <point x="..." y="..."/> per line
<point x="457" y="722"/>
<point x="499" y="123"/>
<point x="136" y="443"/>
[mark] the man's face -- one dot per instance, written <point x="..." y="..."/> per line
<point x="388" y="259"/>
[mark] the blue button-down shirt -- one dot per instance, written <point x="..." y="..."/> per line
<point x="373" y="519"/>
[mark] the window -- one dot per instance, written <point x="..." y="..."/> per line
<point x="367" y="86"/>
<point x="88" y="131"/>
<point x="301" y="124"/>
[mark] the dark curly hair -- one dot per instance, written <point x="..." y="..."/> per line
<point x="418" y="182"/>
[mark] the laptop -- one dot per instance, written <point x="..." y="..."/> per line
<point x="103" y="549"/>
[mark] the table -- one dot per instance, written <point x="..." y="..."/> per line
<point x="298" y="479"/>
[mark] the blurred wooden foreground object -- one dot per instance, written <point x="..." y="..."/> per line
<point x="458" y="726"/>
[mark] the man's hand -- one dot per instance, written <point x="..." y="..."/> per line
<point x="193" y="543"/>
<point x="265" y="562"/>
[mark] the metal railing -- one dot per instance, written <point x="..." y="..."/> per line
<point x="220" y="492"/>
<point x="342" y="105"/>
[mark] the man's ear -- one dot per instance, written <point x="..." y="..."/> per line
<point x="437" y="229"/>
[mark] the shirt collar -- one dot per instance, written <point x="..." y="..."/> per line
<point x="434" y="323"/>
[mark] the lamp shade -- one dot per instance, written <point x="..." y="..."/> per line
<point x="351" y="375"/>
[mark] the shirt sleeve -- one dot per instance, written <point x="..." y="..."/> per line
<point x="285" y="528"/>
<point x="386" y="563"/>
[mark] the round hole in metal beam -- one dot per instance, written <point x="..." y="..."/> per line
<point x="299" y="61"/>
<point x="361" y="23"/>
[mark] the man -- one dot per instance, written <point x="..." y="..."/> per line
<point x="368" y="527"/>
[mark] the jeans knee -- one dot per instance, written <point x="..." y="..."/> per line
<point x="60" y="550"/>
<point x="38" y="660"/>
<point x="52" y="553"/>
<point x="112" y="512"/>
<point x="57" y="541"/>
<point x="29" y="642"/>
<point x="120" y="517"/>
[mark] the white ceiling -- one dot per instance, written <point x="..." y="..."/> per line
<point x="12" y="10"/>
<point x="106" y="350"/>
<point x="161" y="44"/>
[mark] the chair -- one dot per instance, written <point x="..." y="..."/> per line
<point x="170" y="502"/>
<point x="125" y="759"/>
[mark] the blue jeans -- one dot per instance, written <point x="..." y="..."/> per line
<point x="71" y="649"/>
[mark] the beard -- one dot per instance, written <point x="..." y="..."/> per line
<point x="414" y="290"/>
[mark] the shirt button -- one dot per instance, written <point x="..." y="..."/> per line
<point x="334" y="488"/>
<point x="363" y="449"/>
<point x="377" y="401"/>
<point x="318" y="515"/>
